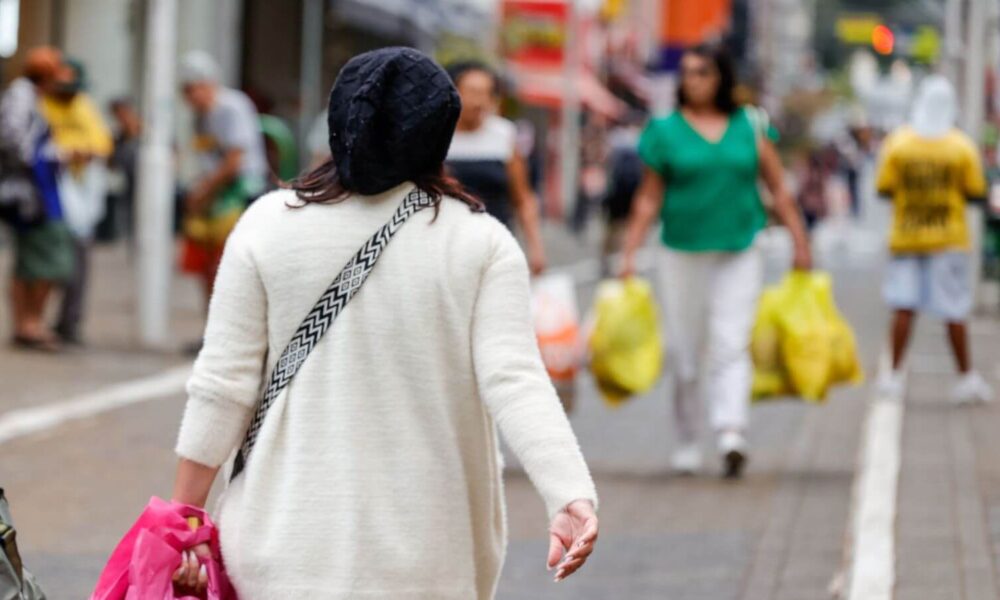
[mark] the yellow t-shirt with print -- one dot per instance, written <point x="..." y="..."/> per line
<point x="929" y="181"/>
<point x="77" y="125"/>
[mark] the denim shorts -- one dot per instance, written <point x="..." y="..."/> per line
<point x="939" y="284"/>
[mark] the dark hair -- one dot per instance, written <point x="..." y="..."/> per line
<point x="323" y="186"/>
<point x="460" y="69"/>
<point x="725" y="99"/>
<point x="121" y="102"/>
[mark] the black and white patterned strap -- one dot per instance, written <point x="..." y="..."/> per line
<point x="321" y="317"/>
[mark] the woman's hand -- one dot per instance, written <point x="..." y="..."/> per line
<point x="573" y="531"/>
<point x="628" y="265"/>
<point x="191" y="486"/>
<point x="536" y="259"/>
<point x="191" y="578"/>
<point x="802" y="259"/>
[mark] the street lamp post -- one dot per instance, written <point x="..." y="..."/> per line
<point x="952" y="40"/>
<point x="975" y="68"/>
<point x="570" y="133"/>
<point x="155" y="185"/>
<point x="311" y="78"/>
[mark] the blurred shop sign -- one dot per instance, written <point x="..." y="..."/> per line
<point x="689" y="23"/>
<point x="406" y="19"/>
<point x="921" y="44"/>
<point x="612" y="10"/>
<point x="857" y="29"/>
<point x="925" y="44"/>
<point x="533" y="32"/>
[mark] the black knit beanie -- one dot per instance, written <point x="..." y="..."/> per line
<point x="392" y="115"/>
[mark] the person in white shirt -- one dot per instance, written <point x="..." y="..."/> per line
<point x="485" y="159"/>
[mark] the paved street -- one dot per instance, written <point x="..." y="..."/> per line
<point x="781" y="533"/>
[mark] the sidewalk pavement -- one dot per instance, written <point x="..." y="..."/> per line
<point x="777" y="534"/>
<point x="112" y="353"/>
<point x="948" y="524"/>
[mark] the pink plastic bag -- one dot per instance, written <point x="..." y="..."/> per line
<point x="143" y="564"/>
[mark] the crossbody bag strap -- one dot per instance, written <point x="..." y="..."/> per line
<point x="324" y="313"/>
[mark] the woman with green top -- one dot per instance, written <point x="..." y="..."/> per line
<point x="703" y="162"/>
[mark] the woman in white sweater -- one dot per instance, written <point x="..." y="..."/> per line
<point x="376" y="473"/>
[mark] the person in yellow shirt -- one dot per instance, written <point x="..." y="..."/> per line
<point x="929" y="170"/>
<point x="83" y="142"/>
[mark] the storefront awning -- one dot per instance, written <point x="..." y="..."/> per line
<point x="547" y="88"/>
<point x="415" y="18"/>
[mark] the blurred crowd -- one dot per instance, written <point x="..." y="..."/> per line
<point x="69" y="177"/>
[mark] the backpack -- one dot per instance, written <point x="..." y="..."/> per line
<point x="16" y="583"/>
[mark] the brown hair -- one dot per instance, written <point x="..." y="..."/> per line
<point x="41" y="63"/>
<point x="322" y="185"/>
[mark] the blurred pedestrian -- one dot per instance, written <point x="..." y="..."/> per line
<point x="120" y="214"/>
<point x="529" y="146"/>
<point x="281" y="150"/>
<point x="812" y="192"/>
<point x="231" y="159"/>
<point x="625" y="170"/>
<point x="84" y="143"/>
<point x="703" y="162"/>
<point x="280" y="145"/>
<point x="930" y="169"/>
<point x="378" y="483"/>
<point x="851" y="162"/>
<point x="484" y="157"/>
<point x="29" y="195"/>
<point x="593" y="173"/>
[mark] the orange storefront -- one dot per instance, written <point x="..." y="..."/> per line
<point x="685" y="23"/>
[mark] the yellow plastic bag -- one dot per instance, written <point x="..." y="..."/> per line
<point x="801" y="344"/>
<point x="806" y="334"/>
<point x="769" y="378"/>
<point x="625" y="344"/>
<point x="846" y="366"/>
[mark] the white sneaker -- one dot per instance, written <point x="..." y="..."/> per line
<point x="733" y="448"/>
<point x="890" y="385"/>
<point x="687" y="459"/>
<point x="971" y="389"/>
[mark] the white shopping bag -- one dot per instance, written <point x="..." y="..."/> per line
<point x="557" y="324"/>
<point x="82" y="194"/>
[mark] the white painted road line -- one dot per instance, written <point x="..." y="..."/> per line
<point x="27" y="421"/>
<point x="873" y="542"/>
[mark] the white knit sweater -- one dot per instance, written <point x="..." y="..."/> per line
<point x="376" y="473"/>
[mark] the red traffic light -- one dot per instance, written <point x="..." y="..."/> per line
<point x="883" y="39"/>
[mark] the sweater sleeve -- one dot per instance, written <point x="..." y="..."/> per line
<point x="515" y="387"/>
<point x="223" y="390"/>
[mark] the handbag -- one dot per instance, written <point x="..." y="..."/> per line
<point x="141" y="566"/>
<point x="16" y="583"/>
<point x="20" y="200"/>
<point x="324" y="313"/>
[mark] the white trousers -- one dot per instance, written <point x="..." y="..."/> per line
<point x="710" y="299"/>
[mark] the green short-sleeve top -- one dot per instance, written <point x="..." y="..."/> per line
<point x="711" y="202"/>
